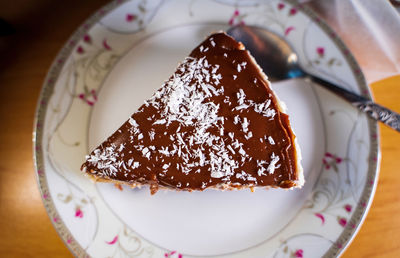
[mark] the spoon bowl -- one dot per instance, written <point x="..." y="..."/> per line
<point x="272" y="53"/>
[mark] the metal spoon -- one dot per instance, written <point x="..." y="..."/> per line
<point x="279" y="62"/>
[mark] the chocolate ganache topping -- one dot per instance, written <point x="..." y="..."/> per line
<point x="215" y="123"/>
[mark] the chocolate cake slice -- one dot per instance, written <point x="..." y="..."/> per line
<point x="215" y="123"/>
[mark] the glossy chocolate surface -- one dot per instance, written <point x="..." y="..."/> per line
<point x="214" y="122"/>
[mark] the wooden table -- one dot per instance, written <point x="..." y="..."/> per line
<point x="42" y="27"/>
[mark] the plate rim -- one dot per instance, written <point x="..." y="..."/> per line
<point x="367" y="196"/>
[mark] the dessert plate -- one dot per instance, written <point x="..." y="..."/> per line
<point x="119" y="57"/>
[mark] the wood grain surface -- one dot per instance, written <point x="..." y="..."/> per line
<point x="41" y="28"/>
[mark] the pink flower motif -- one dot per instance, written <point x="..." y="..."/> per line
<point x="342" y="221"/>
<point x="80" y="50"/>
<point x="339" y="245"/>
<point x="330" y="160"/>
<point x="40" y="172"/>
<point x="326" y="164"/>
<point x="170" y="254"/>
<point x="78" y="213"/>
<point x="320" y="51"/>
<point x="115" y="239"/>
<point x="55" y="219"/>
<point x="288" y="30"/>
<point x="105" y="45"/>
<point x="319" y="215"/>
<point x="234" y="16"/>
<point x="348" y="207"/>
<point x="298" y="253"/>
<point x="130" y="17"/>
<point x="94" y="95"/>
<point x="90" y="98"/>
<point x="364" y="204"/>
<point x="69" y="240"/>
<point x="352" y="225"/>
<point x="87" y="38"/>
<point x="45" y="196"/>
<point x="281" y="6"/>
<point x="293" y="11"/>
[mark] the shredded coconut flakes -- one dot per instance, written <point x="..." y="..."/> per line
<point x="185" y="99"/>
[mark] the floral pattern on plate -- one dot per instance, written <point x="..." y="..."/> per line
<point x="343" y="190"/>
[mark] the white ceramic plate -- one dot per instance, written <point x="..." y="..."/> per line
<point x="119" y="57"/>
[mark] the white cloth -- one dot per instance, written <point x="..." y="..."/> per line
<point x="370" y="28"/>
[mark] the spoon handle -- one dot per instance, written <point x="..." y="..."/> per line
<point x="376" y="111"/>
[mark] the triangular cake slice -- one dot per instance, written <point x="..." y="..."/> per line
<point x="215" y="123"/>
